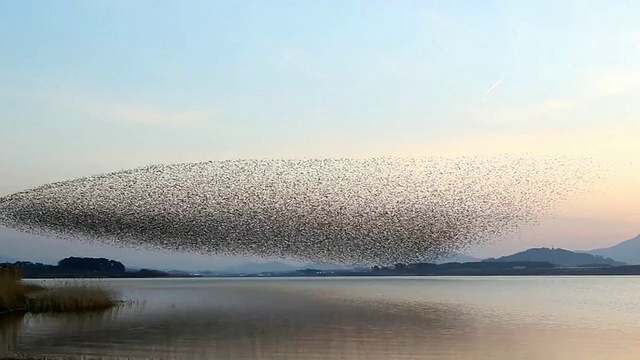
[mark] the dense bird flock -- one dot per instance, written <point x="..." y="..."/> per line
<point x="356" y="211"/>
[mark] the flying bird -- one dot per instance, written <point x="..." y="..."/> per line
<point x="356" y="211"/>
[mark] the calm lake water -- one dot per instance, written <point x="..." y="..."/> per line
<point x="347" y="318"/>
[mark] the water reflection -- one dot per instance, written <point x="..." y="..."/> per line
<point x="239" y="321"/>
<point x="9" y="329"/>
<point x="15" y="325"/>
<point x="253" y="320"/>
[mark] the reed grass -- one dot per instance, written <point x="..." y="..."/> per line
<point x="18" y="296"/>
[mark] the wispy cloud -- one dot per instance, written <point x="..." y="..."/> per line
<point x="140" y="114"/>
<point x="540" y="113"/>
<point x="608" y="82"/>
<point x="77" y="100"/>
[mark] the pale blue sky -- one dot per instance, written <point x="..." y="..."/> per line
<point x="97" y="86"/>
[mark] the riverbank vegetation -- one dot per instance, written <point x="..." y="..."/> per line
<point x="18" y="296"/>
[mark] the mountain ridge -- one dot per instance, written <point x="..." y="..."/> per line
<point x="627" y="251"/>
<point x="561" y="257"/>
<point x="459" y="258"/>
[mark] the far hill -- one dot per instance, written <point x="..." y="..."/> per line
<point x="559" y="257"/>
<point x="459" y="258"/>
<point x="627" y="251"/>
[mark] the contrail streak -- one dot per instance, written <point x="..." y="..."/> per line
<point x="492" y="87"/>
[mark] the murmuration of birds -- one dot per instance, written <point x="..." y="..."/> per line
<point x="354" y="211"/>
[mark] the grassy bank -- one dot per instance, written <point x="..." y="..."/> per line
<point x="17" y="296"/>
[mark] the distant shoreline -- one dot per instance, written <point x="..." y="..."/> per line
<point x="101" y="268"/>
<point x="133" y="276"/>
<point x="577" y="274"/>
<point x="319" y="274"/>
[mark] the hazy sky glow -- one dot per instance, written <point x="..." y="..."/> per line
<point x="90" y="87"/>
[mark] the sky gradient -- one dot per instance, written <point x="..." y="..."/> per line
<point x="93" y="87"/>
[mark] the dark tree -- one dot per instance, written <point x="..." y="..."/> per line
<point x="100" y="265"/>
